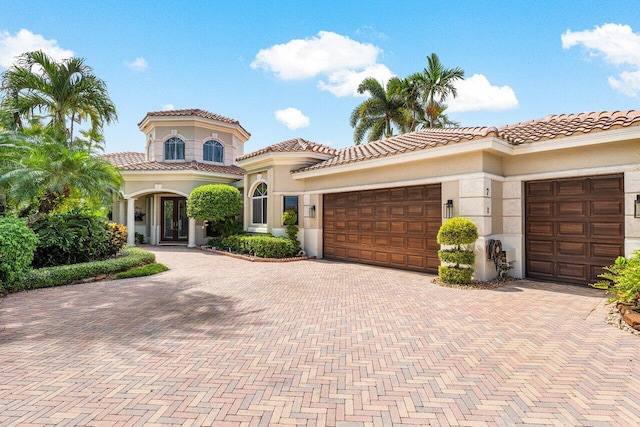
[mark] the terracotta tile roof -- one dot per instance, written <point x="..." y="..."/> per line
<point x="292" y="145"/>
<point x="418" y="140"/>
<point x="129" y="161"/>
<point x="563" y="125"/>
<point x="193" y="112"/>
<point x="550" y="127"/>
<point x="123" y="158"/>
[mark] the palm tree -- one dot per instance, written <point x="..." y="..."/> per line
<point x="47" y="174"/>
<point x="378" y="114"/>
<point x="436" y="82"/>
<point x="66" y="92"/>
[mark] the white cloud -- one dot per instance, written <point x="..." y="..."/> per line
<point x="167" y="107"/>
<point x="25" y="41"/>
<point x="477" y="94"/>
<point x="323" y="54"/>
<point x="292" y="118"/>
<point x="338" y="61"/>
<point x="618" y="45"/>
<point x="345" y="82"/>
<point x="138" y="64"/>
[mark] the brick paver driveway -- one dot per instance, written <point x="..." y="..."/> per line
<point x="220" y="341"/>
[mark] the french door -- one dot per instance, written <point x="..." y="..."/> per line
<point x="175" y="223"/>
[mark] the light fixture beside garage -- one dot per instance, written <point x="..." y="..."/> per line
<point x="312" y="211"/>
<point x="447" y="209"/>
<point x="636" y="207"/>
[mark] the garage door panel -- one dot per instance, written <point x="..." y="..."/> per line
<point x="540" y="228"/>
<point x="607" y="229"/>
<point x="393" y="227"/>
<point x="540" y="247"/>
<point x="607" y="208"/>
<point x="543" y="188"/>
<point x="542" y="209"/>
<point x="415" y="227"/>
<point x="570" y="271"/>
<point x="571" y="208"/>
<point x="573" y="249"/>
<point x="572" y="188"/>
<point x="606" y="250"/>
<point x="573" y="227"/>
<point x="606" y="185"/>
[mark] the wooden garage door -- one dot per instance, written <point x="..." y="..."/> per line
<point x="395" y="227"/>
<point x="574" y="227"/>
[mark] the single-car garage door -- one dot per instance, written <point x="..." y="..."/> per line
<point x="393" y="227"/>
<point x="574" y="227"/>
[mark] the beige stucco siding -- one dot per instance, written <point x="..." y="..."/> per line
<point x="594" y="156"/>
<point x="439" y="168"/>
<point x="178" y="184"/>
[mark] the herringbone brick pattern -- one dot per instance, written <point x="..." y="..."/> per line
<point x="220" y="341"/>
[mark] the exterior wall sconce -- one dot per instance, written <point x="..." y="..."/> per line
<point x="636" y="207"/>
<point x="447" y="209"/>
<point x="312" y="211"/>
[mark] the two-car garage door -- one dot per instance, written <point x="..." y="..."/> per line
<point x="573" y="227"/>
<point x="393" y="227"/>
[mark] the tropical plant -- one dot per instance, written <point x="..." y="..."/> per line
<point x="17" y="246"/>
<point x="457" y="232"/>
<point x="48" y="174"/>
<point x="622" y="280"/>
<point x="67" y="92"/>
<point x="435" y="83"/>
<point x="74" y="237"/>
<point x="219" y="204"/>
<point x="377" y="115"/>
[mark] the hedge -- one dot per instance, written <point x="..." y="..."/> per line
<point x="17" y="246"/>
<point x="455" y="275"/>
<point x="454" y="256"/>
<point x="260" y="246"/>
<point x="66" y="274"/>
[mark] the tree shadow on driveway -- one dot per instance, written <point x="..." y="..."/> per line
<point x="120" y="312"/>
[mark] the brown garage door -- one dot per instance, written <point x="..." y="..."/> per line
<point x="394" y="227"/>
<point x="573" y="227"/>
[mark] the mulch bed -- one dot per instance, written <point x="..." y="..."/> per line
<point x="476" y="284"/>
<point x="253" y="258"/>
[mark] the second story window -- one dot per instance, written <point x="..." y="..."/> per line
<point x="174" y="149"/>
<point x="213" y="152"/>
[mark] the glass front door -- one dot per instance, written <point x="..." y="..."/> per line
<point x="175" y="223"/>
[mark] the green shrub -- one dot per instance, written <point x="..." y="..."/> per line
<point x="455" y="256"/>
<point x="139" y="238"/>
<point x="260" y="246"/>
<point x="117" y="234"/>
<point x="215" y="242"/>
<point x="146" y="270"/>
<point x="622" y="279"/>
<point x="457" y="232"/>
<point x="455" y="275"/>
<point x="65" y="274"/>
<point x="74" y="237"/>
<point x="214" y="202"/>
<point x="17" y="246"/>
<point x="290" y="219"/>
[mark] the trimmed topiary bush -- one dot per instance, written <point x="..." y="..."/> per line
<point x="290" y="218"/>
<point x="260" y="246"/>
<point x="17" y="246"/>
<point x="457" y="232"/>
<point x="219" y="204"/>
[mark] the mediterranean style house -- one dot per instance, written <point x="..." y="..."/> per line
<point x="561" y="193"/>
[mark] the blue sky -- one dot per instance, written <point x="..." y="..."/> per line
<point x="303" y="59"/>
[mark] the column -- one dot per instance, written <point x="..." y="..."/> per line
<point x="131" y="222"/>
<point x="192" y="233"/>
<point x="121" y="212"/>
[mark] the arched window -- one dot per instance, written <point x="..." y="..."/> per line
<point x="259" y="204"/>
<point x="174" y="149"/>
<point x="213" y="152"/>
